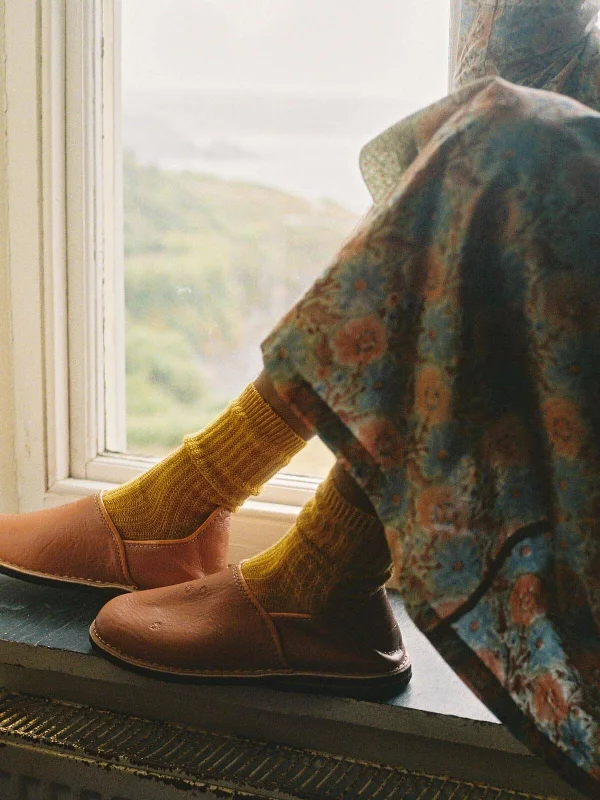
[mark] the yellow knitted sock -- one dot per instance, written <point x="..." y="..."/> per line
<point x="220" y="466"/>
<point x="333" y="550"/>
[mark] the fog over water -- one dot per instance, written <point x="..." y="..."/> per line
<point x="278" y="92"/>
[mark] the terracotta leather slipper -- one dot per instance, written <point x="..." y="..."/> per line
<point x="216" y="630"/>
<point x="78" y="543"/>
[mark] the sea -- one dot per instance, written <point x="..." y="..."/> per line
<point x="304" y="144"/>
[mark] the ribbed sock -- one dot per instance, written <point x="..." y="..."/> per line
<point x="221" y="466"/>
<point x="333" y="550"/>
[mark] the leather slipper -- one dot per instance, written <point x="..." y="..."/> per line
<point x="78" y="543"/>
<point x="216" y="630"/>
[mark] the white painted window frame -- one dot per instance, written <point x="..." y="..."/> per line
<point x="61" y="294"/>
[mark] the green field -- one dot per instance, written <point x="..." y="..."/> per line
<point x="210" y="265"/>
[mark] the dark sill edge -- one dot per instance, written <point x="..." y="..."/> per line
<point x="437" y="724"/>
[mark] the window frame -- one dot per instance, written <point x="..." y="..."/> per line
<point x="64" y="300"/>
<point x="32" y="305"/>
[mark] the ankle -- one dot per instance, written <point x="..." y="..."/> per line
<point x="220" y="466"/>
<point x="166" y="502"/>
<point x="350" y="490"/>
<point x="334" y="552"/>
<point x="242" y="449"/>
<point x="264" y="386"/>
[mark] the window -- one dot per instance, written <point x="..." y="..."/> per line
<point x="123" y="88"/>
<point x="241" y="125"/>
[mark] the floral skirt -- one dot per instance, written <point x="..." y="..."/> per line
<point x="450" y="357"/>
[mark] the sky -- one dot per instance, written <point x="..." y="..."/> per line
<point x="370" y="48"/>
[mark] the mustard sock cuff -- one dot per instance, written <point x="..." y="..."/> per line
<point x="328" y="497"/>
<point x="334" y="549"/>
<point x="244" y="447"/>
<point x="353" y="535"/>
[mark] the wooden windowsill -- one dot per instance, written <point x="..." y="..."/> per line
<point x="437" y="725"/>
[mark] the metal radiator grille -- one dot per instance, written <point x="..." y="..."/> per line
<point x="197" y="759"/>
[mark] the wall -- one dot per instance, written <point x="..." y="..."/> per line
<point x="8" y="475"/>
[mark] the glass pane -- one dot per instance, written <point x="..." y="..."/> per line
<point x="242" y="124"/>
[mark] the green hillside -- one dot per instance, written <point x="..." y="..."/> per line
<point x="210" y="265"/>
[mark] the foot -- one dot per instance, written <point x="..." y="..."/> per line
<point x="339" y="550"/>
<point x="221" y="466"/>
<point x="172" y="632"/>
<point x="169" y="501"/>
<point x="169" y="525"/>
<point x="78" y="543"/>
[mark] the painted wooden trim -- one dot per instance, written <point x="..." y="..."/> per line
<point x="34" y="369"/>
<point x="53" y="191"/>
<point x="84" y="224"/>
<point x="23" y="182"/>
<point x="8" y="474"/>
<point x="255" y="527"/>
<point x="117" y="468"/>
<point x="113" y="300"/>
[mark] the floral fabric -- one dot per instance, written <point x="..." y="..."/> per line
<point x="545" y="44"/>
<point x="451" y="357"/>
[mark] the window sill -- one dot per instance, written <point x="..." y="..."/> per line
<point x="436" y="726"/>
<point x="257" y="525"/>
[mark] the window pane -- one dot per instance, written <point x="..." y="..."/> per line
<point x="242" y="124"/>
